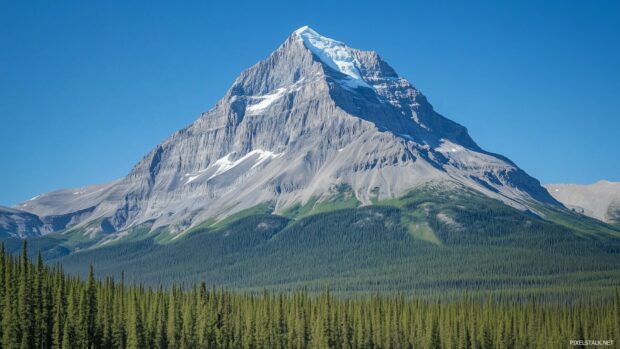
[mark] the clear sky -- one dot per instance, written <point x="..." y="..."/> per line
<point x="89" y="87"/>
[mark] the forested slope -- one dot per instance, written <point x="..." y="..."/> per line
<point x="41" y="307"/>
<point x="428" y="242"/>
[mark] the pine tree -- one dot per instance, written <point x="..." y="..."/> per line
<point x="25" y="302"/>
<point x="69" y="337"/>
<point x="135" y="329"/>
<point x="10" y="320"/>
<point x="118" y="328"/>
<point x="434" y="341"/>
<point x="90" y="308"/>
<point x="617" y="315"/>
<point x="318" y="338"/>
<point x="201" y="317"/>
<point x="59" y="312"/>
<point x="161" y="341"/>
<point x="173" y="325"/>
<point x="101" y="314"/>
<point x="188" y="331"/>
<point x="2" y="286"/>
<point x="487" y="338"/>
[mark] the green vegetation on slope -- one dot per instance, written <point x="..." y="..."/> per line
<point x="341" y="197"/>
<point x="44" y="308"/>
<point x="430" y="241"/>
<point x="262" y="209"/>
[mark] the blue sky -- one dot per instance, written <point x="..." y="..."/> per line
<point x="88" y="88"/>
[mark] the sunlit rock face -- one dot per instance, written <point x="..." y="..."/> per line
<point x="314" y="115"/>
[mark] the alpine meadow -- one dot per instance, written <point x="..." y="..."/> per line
<point x="322" y="202"/>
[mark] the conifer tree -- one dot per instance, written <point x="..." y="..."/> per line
<point x="2" y="286"/>
<point x="135" y="329"/>
<point x="160" y="340"/>
<point x="173" y="325"/>
<point x="25" y="302"/>
<point x="201" y="317"/>
<point x="94" y="314"/>
<point x="318" y="338"/>
<point x="59" y="312"/>
<point x="69" y="337"/>
<point x="118" y="327"/>
<point x="434" y="341"/>
<point x="10" y="319"/>
<point x="90" y="308"/>
<point x="188" y="331"/>
<point x="617" y="314"/>
<point x="487" y="338"/>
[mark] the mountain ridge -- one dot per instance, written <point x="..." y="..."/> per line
<point x="431" y="240"/>
<point x="600" y="200"/>
<point x="313" y="115"/>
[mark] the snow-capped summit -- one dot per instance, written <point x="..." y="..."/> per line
<point x="335" y="54"/>
<point x="313" y="116"/>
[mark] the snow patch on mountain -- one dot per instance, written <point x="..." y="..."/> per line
<point x="449" y="147"/>
<point x="266" y="100"/>
<point x="334" y="53"/>
<point x="227" y="163"/>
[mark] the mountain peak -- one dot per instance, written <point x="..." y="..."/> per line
<point x="303" y="29"/>
<point x="314" y="116"/>
<point x="334" y="54"/>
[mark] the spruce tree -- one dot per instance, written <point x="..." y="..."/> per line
<point x="201" y="317"/>
<point x="173" y="324"/>
<point x="188" y="331"/>
<point x="90" y="308"/>
<point x="59" y="312"/>
<point x="434" y="341"/>
<point x="135" y="329"/>
<point x="25" y="302"/>
<point x="10" y="320"/>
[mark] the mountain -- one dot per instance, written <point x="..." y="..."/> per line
<point x="22" y="224"/>
<point x="16" y="223"/>
<point x="314" y="120"/>
<point x="321" y="166"/>
<point x="430" y="241"/>
<point x="600" y="200"/>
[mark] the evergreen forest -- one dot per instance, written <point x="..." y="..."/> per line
<point x="42" y="307"/>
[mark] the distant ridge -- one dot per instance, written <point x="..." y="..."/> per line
<point x="600" y="200"/>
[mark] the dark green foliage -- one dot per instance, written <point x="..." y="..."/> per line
<point x="196" y="317"/>
<point x="470" y="242"/>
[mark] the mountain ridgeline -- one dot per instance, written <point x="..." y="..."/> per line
<point x="600" y="200"/>
<point x="314" y="115"/>
<point x="322" y="167"/>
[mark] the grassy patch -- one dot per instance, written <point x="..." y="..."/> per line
<point x="298" y="210"/>
<point x="260" y="209"/>
<point x="341" y="197"/>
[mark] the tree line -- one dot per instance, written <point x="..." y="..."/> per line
<point x="41" y="307"/>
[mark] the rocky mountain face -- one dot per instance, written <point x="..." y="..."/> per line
<point x="22" y="224"/>
<point x="314" y="116"/>
<point x="600" y="200"/>
<point x="16" y="223"/>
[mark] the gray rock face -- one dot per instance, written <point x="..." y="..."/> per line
<point x="20" y="224"/>
<point x="313" y="115"/>
<point x="600" y="200"/>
